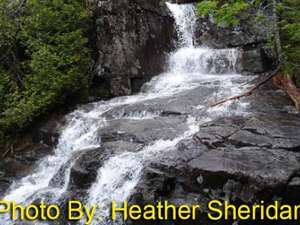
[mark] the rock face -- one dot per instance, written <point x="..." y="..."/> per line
<point x="256" y="60"/>
<point x="241" y="159"/>
<point x="251" y="36"/>
<point x="132" y="40"/>
<point x="21" y="157"/>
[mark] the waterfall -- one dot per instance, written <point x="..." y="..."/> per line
<point x="189" y="67"/>
<point x="185" y="19"/>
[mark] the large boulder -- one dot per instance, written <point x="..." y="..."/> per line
<point x="256" y="60"/>
<point x="132" y="42"/>
<point x="241" y="159"/>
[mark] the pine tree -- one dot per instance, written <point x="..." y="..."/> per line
<point x="44" y="58"/>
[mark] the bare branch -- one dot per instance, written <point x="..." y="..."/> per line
<point x="266" y="78"/>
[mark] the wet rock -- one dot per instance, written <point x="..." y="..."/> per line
<point x="246" y="138"/>
<point x="120" y="86"/>
<point x="241" y="159"/>
<point x="132" y="41"/>
<point x="181" y="104"/>
<point x="84" y="171"/>
<point x="256" y="60"/>
<point x="250" y="32"/>
<point x="209" y="34"/>
<point x="49" y="132"/>
<point x="252" y="60"/>
<point x="254" y="166"/>
<point x="19" y="158"/>
<point x="250" y="36"/>
<point x="143" y="131"/>
<point x="20" y="163"/>
<point x="267" y="100"/>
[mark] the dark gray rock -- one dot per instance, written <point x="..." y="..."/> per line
<point x="251" y="36"/>
<point x="133" y="39"/>
<point x="249" y="33"/>
<point x="20" y="162"/>
<point x="243" y="159"/>
<point x="20" y="157"/>
<point x="257" y="60"/>
<point x="49" y="132"/>
<point x="259" y="167"/>
<point x="143" y="131"/>
<point x="84" y="171"/>
<point x="209" y="34"/>
<point x="181" y="104"/>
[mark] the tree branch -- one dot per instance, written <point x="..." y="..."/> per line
<point x="266" y="78"/>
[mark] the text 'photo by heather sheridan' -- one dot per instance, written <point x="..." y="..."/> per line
<point x="149" y="112"/>
<point x="163" y="211"/>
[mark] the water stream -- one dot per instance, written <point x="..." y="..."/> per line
<point x="189" y="68"/>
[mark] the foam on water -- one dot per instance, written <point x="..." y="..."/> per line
<point x="189" y="67"/>
<point x="120" y="174"/>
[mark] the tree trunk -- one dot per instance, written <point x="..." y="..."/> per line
<point x="277" y="33"/>
<point x="285" y="83"/>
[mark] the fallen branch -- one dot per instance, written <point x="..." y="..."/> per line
<point x="9" y="150"/>
<point x="266" y="77"/>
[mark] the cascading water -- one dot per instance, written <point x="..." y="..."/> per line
<point x="189" y="68"/>
<point x="185" y="19"/>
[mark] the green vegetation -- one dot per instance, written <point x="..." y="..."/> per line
<point x="286" y="31"/>
<point x="225" y="14"/>
<point x="43" y="59"/>
<point x="289" y="11"/>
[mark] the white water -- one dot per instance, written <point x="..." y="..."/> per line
<point x="185" y="19"/>
<point x="189" y="67"/>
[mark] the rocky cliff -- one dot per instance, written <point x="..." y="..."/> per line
<point x="133" y="39"/>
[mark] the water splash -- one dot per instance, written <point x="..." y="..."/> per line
<point x="120" y="174"/>
<point x="185" y="20"/>
<point x="188" y="68"/>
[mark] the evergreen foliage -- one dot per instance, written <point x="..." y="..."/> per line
<point x="289" y="11"/>
<point x="225" y="15"/>
<point x="44" y="59"/>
